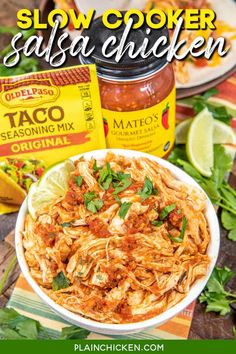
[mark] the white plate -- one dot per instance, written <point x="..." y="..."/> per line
<point x="225" y="10"/>
<point x="119" y="329"/>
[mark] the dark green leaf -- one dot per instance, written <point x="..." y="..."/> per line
<point x="16" y="326"/>
<point x="188" y="168"/>
<point x="79" y="180"/>
<point x="117" y="199"/>
<point x="178" y="153"/>
<point x="92" y="203"/>
<point x="66" y="224"/>
<point x="89" y="196"/>
<point x="222" y="164"/>
<point x="183" y="228"/>
<point x="95" y="166"/>
<point x="179" y="239"/>
<point x="28" y="328"/>
<point x="147" y="190"/>
<point x="124" y="209"/>
<point x="219" y="303"/>
<point x="8" y="315"/>
<point x="124" y="184"/>
<point x="9" y="334"/>
<point x="232" y="235"/>
<point x="95" y="205"/>
<point x="74" y="332"/>
<point x="215" y="296"/>
<point x="60" y="282"/>
<point x="220" y="113"/>
<point x="211" y="92"/>
<point x="157" y="223"/>
<point x="228" y="220"/>
<point x="198" y="106"/>
<point x="166" y="211"/>
<point x="106" y="184"/>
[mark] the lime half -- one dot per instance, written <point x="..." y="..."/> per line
<point x="200" y="149"/>
<point x="51" y="186"/>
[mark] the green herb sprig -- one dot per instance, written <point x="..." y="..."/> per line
<point x="215" y="295"/>
<point x="13" y="325"/>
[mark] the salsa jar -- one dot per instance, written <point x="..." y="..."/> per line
<point x="138" y="96"/>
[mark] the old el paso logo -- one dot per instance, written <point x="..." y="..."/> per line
<point x="29" y="93"/>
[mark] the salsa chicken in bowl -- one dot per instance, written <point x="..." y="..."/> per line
<point x="130" y="242"/>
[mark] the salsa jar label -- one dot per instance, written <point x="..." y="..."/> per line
<point x="150" y="130"/>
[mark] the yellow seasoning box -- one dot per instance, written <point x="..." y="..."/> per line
<point x="45" y="118"/>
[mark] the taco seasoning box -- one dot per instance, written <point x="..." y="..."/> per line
<point x="138" y="95"/>
<point x="46" y="117"/>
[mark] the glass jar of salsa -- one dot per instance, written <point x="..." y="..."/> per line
<point x="137" y="95"/>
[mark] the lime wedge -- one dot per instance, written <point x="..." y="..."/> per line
<point x="181" y="131"/>
<point x="200" y="149"/>
<point x="222" y="134"/>
<point x="52" y="185"/>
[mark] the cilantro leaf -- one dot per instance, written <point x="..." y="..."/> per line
<point x="60" y="282"/>
<point x="105" y="176"/>
<point x="215" y="295"/>
<point x="74" y="332"/>
<point x="166" y="211"/>
<point x="120" y="181"/>
<point x="147" y="190"/>
<point x="95" y="205"/>
<point x="88" y="197"/>
<point x="218" y="303"/>
<point x="179" y="152"/>
<point x="16" y="326"/>
<point x="95" y="166"/>
<point x="92" y="203"/>
<point x="232" y="235"/>
<point x="157" y="223"/>
<point x="66" y="224"/>
<point x="124" y="209"/>
<point x="218" y="112"/>
<point x="228" y="220"/>
<point x="209" y="93"/>
<point x="79" y="180"/>
<point x="182" y="232"/>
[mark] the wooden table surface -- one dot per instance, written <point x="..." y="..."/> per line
<point x="204" y="326"/>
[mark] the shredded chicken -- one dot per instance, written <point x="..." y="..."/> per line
<point x="124" y="245"/>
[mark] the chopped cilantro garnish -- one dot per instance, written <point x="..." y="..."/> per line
<point x="66" y="224"/>
<point x="124" y="209"/>
<point x="95" y="205"/>
<point x="157" y="223"/>
<point x="95" y="166"/>
<point x="79" y="180"/>
<point x="117" y="199"/>
<point x="105" y="176"/>
<point x="182" y="232"/>
<point x="60" y="282"/>
<point x="166" y="211"/>
<point x="147" y="190"/>
<point x="122" y="185"/>
<point x="92" y="203"/>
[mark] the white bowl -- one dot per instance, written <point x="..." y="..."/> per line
<point x="119" y="329"/>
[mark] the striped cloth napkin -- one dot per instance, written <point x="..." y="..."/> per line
<point x="29" y="304"/>
<point x="25" y="301"/>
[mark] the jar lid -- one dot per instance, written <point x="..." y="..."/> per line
<point x="126" y="67"/>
